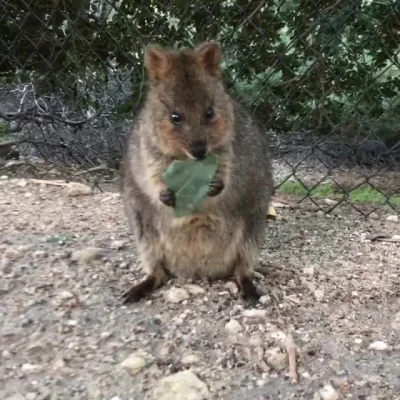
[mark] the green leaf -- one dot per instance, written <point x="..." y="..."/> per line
<point x="60" y="239"/>
<point x="189" y="180"/>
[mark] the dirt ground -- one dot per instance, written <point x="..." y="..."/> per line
<point x="64" y="333"/>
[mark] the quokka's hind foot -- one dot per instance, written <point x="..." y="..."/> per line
<point x="144" y="288"/>
<point x="249" y="291"/>
<point x="244" y="277"/>
<point x="139" y="291"/>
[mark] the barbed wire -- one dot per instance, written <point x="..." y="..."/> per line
<point x="322" y="76"/>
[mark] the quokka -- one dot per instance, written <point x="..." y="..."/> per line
<point x="188" y="113"/>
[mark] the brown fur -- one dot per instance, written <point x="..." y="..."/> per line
<point x="224" y="238"/>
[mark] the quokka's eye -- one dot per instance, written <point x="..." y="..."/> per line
<point x="209" y="114"/>
<point x="176" y="118"/>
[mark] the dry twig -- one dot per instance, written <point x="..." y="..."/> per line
<point x="291" y="350"/>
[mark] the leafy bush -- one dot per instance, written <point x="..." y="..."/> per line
<point x="309" y="65"/>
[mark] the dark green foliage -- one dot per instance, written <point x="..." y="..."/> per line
<point x="300" y="64"/>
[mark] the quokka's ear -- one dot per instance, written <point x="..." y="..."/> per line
<point x="157" y="61"/>
<point x="209" y="56"/>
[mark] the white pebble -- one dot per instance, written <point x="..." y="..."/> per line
<point x="30" y="368"/>
<point x="396" y="322"/>
<point x="255" y="314"/>
<point x="309" y="271"/>
<point x="328" y="392"/>
<point x="118" y="244"/>
<point x="330" y="202"/>
<point x="6" y="354"/>
<point x="231" y="287"/>
<point x="183" y="385"/>
<point x="378" y="345"/>
<point x="65" y="295"/>
<point x="233" y="326"/>
<point x="195" y="289"/>
<point x="176" y="295"/>
<point x="319" y="294"/>
<point x="265" y="299"/>
<point x="134" y="364"/>
<point x="190" y="359"/>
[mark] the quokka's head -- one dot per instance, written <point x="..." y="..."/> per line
<point x="189" y="108"/>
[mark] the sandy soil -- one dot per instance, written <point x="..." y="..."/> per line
<point x="64" y="333"/>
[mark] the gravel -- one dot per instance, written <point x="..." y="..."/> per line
<point x="65" y="334"/>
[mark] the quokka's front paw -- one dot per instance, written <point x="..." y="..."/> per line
<point x="167" y="197"/>
<point x="216" y="186"/>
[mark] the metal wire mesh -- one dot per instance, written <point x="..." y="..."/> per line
<point x="323" y="76"/>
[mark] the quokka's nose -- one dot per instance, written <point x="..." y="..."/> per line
<point x="198" y="150"/>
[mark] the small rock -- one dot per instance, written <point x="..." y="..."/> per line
<point x="134" y="363"/>
<point x="65" y="295"/>
<point x="254" y="316"/>
<point x="309" y="271"/>
<point x="115" y="398"/>
<point x="396" y="322"/>
<point x="306" y="375"/>
<point x="59" y="363"/>
<point x="30" y="396"/>
<point x="255" y="313"/>
<point x="276" y="359"/>
<point x="86" y="255"/>
<point x="21" y="182"/>
<point x="231" y="287"/>
<point x="105" y="335"/>
<point x="118" y="244"/>
<point x="330" y="202"/>
<point x="78" y="189"/>
<point x="176" y="295"/>
<point x="393" y="218"/>
<point x="5" y="354"/>
<point x="279" y="335"/>
<point x="233" y="326"/>
<point x="319" y="294"/>
<point x="4" y="177"/>
<point x="30" y="368"/>
<point x="183" y="385"/>
<point x="328" y="392"/>
<point x="378" y="345"/>
<point x="194" y="289"/>
<point x="190" y="359"/>
<point x="265" y="299"/>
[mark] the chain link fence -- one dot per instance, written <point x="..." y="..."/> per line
<point x="323" y="76"/>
